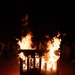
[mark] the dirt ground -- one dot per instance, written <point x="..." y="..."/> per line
<point x="12" y="67"/>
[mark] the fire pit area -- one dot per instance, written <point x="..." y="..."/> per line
<point x="31" y="63"/>
<point x="40" y="60"/>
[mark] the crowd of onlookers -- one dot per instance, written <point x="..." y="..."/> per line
<point x="8" y="50"/>
<point x="67" y="50"/>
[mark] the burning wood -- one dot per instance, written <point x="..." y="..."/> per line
<point x="46" y="61"/>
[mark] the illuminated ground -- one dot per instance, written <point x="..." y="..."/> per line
<point x="9" y="67"/>
<point x="12" y="67"/>
<point x="66" y="68"/>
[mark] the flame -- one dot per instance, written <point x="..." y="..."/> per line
<point x="26" y="42"/>
<point x="51" y="58"/>
<point x="31" y="62"/>
<point x="24" y="59"/>
<point x="37" y="60"/>
<point x="48" y="60"/>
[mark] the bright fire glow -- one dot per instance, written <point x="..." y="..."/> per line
<point x="51" y="58"/>
<point x="48" y="60"/>
<point x="24" y="59"/>
<point x="37" y="60"/>
<point x="26" y="42"/>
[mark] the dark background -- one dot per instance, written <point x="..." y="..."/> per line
<point x="45" y="18"/>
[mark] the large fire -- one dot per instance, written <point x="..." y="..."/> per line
<point x="49" y="60"/>
<point x="26" y="42"/>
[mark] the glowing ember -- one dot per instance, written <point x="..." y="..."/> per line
<point x="22" y="56"/>
<point x="24" y="59"/>
<point x="37" y="60"/>
<point x="31" y="62"/>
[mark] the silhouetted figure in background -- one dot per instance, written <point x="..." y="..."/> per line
<point x="65" y="51"/>
<point x="1" y="49"/>
<point x="73" y="52"/>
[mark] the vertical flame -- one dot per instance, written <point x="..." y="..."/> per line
<point x="37" y="60"/>
<point x="24" y="59"/>
<point x="51" y="58"/>
<point x="26" y="42"/>
<point x="31" y="62"/>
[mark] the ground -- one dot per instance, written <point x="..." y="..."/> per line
<point x="11" y="67"/>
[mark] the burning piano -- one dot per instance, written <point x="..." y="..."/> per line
<point x="38" y="62"/>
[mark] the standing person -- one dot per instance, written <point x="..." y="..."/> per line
<point x="1" y="49"/>
<point x="73" y="53"/>
<point x="67" y="51"/>
<point x="63" y="51"/>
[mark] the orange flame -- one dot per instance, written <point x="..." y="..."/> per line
<point x="24" y="59"/>
<point x="26" y="42"/>
<point x="51" y="58"/>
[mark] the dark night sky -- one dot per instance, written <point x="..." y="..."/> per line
<point x="44" y="17"/>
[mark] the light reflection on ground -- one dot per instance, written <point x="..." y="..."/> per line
<point x="12" y="68"/>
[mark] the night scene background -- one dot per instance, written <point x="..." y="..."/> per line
<point x="44" y="18"/>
